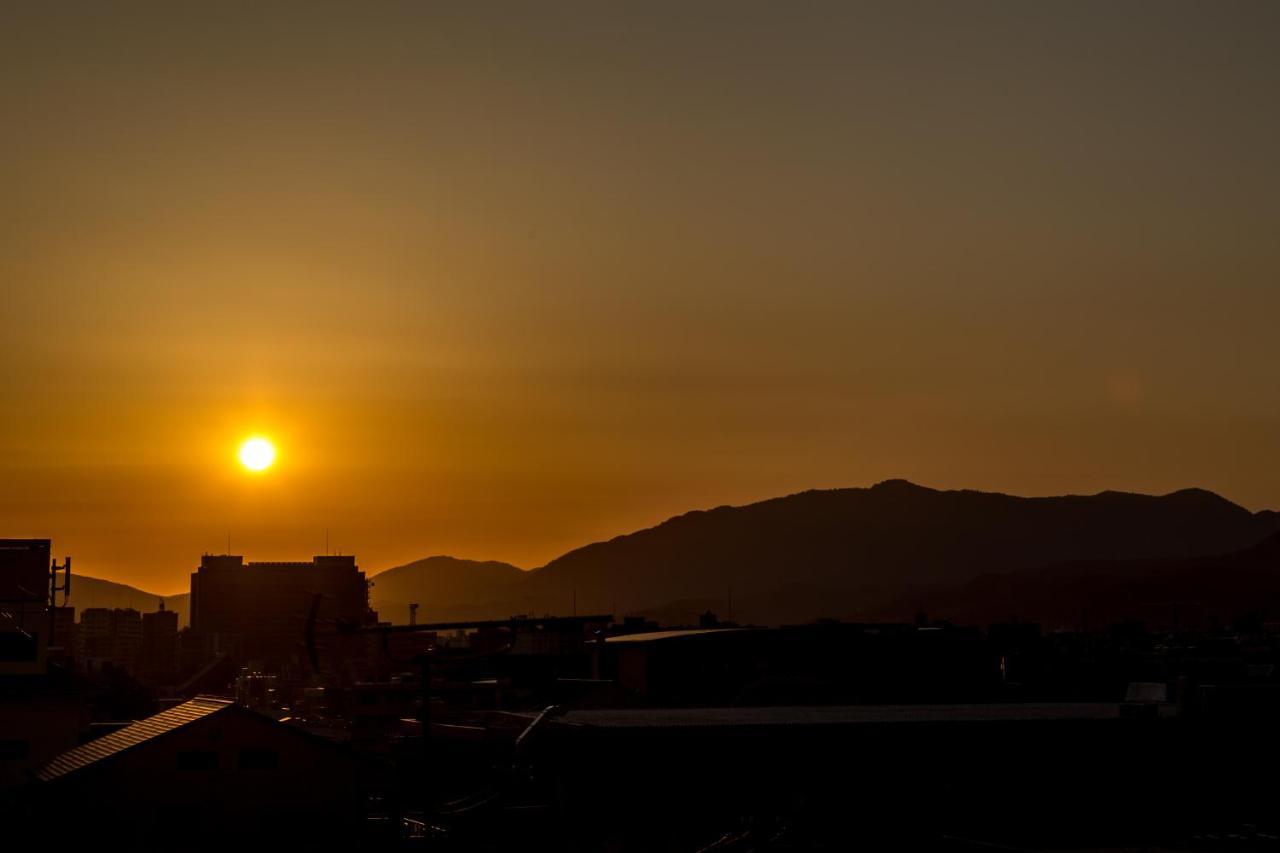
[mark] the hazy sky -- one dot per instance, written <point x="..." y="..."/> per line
<point x="502" y="279"/>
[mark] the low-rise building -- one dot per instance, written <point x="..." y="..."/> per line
<point x="206" y="769"/>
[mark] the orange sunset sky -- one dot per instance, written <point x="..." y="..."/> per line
<point x="500" y="280"/>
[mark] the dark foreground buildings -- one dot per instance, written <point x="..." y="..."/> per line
<point x="203" y="769"/>
<point x="543" y="733"/>
<point x="24" y="597"/>
<point x="41" y="708"/>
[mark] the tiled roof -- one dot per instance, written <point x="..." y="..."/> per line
<point x="130" y="736"/>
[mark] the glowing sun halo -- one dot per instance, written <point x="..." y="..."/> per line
<point x="257" y="454"/>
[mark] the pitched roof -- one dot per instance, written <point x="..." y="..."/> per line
<point x="140" y="732"/>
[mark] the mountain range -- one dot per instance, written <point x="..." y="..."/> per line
<point x="95" y="592"/>
<point x="887" y="551"/>
<point x="1188" y="591"/>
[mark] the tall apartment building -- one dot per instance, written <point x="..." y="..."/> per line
<point x="63" y="633"/>
<point x="111" y="636"/>
<point x="158" y="655"/>
<point x="94" y="634"/>
<point x="259" y="610"/>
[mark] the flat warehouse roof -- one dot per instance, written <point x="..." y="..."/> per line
<point x="644" y="718"/>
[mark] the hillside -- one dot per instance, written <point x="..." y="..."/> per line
<point x="844" y="552"/>
<point x="445" y="588"/>
<point x="1194" y="591"/>
<point x="95" y="592"/>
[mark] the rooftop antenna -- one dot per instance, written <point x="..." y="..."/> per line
<point x="55" y="588"/>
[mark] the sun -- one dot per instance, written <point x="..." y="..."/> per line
<point x="257" y="454"/>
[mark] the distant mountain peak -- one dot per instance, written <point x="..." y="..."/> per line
<point x="899" y="484"/>
<point x="1198" y="494"/>
<point x="443" y="563"/>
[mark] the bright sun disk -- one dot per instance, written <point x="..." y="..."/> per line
<point x="257" y="454"/>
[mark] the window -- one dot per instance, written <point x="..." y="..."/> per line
<point x="259" y="759"/>
<point x="197" y="759"/>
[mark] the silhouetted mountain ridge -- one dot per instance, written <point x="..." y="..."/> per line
<point x="892" y="534"/>
<point x="443" y="587"/>
<point x="1168" y="592"/>
<point x="849" y="552"/>
<point x="885" y="551"/>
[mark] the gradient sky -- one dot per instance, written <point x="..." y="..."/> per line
<point x="502" y="279"/>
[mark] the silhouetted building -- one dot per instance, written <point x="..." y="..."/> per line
<point x="22" y="652"/>
<point x="40" y="717"/>
<point x="110" y="636"/>
<point x="259" y="610"/>
<point x="95" y="633"/>
<point x="680" y="666"/>
<point x="24" y="571"/>
<point x="41" y="709"/>
<point x="204" y="769"/>
<point x="819" y="663"/>
<point x="908" y="768"/>
<point x="126" y="638"/>
<point x="64" y="634"/>
<point x="158" y="656"/>
<point x="24" y="598"/>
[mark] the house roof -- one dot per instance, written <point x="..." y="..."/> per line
<point x="130" y="736"/>
<point x="656" y="636"/>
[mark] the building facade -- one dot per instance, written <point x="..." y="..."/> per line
<point x="259" y="610"/>
<point x="24" y="599"/>
<point x="158" y="654"/>
<point x="109" y="636"/>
